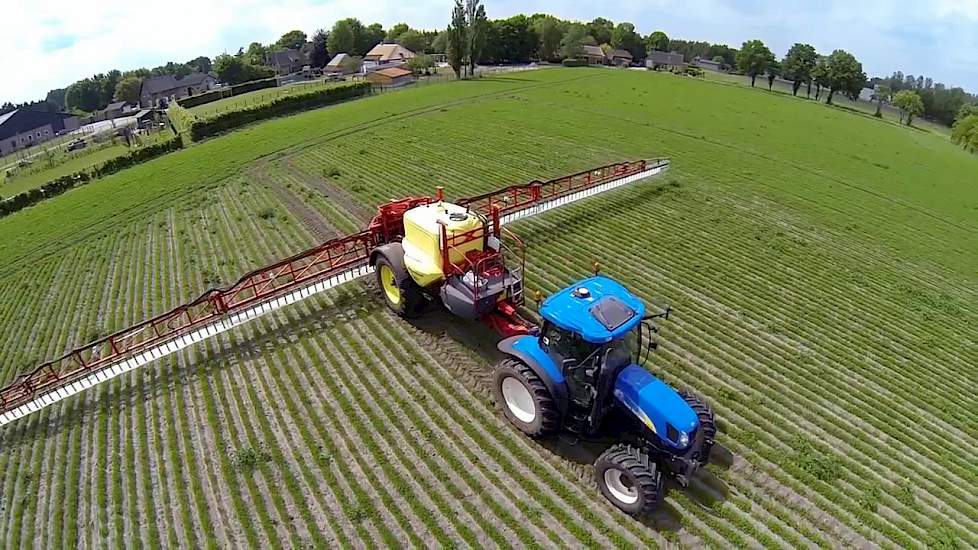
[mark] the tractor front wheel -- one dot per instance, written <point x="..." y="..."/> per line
<point x="399" y="290"/>
<point x="629" y="478"/>
<point x="524" y="398"/>
<point x="707" y="427"/>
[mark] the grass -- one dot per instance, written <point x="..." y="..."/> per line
<point x="818" y="260"/>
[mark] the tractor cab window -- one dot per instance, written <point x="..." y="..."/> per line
<point x="566" y="344"/>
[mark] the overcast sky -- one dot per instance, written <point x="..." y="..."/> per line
<point x="47" y="44"/>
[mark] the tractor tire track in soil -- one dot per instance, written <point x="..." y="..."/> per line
<point x="331" y="191"/>
<point x="317" y="226"/>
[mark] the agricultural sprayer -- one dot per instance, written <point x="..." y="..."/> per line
<point x="577" y="372"/>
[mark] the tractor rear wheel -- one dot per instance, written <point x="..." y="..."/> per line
<point x="707" y="428"/>
<point x="524" y="398"/>
<point x="399" y="290"/>
<point x="629" y="478"/>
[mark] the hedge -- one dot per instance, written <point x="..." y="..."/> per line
<point x="64" y="183"/>
<point x="237" y="89"/>
<point x="201" y="129"/>
<point x="574" y="62"/>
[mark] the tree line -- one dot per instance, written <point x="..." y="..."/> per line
<point x="472" y="38"/>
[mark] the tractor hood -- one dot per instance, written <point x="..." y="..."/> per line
<point x="656" y="405"/>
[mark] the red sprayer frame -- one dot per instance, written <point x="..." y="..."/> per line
<point x="302" y="270"/>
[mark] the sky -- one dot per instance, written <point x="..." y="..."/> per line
<point x="46" y="44"/>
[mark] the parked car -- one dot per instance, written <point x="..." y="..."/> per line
<point x="77" y="144"/>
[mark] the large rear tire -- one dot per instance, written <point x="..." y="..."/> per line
<point x="707" y="427"/>
<point x="524" y="398"/>
<point x="401" y="294"/>
<point x="629" y="479"/>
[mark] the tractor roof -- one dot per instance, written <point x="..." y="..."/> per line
<point x="599" y="309"/>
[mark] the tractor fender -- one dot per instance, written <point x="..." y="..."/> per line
<point x="527" y="349"/>
<point x="394" y="253"/>
<point x="655" y="404"/>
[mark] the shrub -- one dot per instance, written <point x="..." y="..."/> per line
<point x="60" y="185"/>
<point x="575" y="62"/>
<point x="200" y="129"/>
<point x="694" y="71"/>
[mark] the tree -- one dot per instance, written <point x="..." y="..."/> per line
<point x="964" y="112"/>
<point x="798" y="65"/>
<point x="396" y="31"/>
<point x="319" y="55"/>
<point x="420" y="63"/>
<point x="550" y="34"/>
<point x="440" y="43"/>
<point x="83" y="95"/>
<point x="601" y="30"/>
<point x="909" y="103"/>
<point x="201" y="64"/>
<point x="127" y="89"/>
<point x="107" y="87"/>
<point x="254" y="55"/>
<point x="477" y="27"/>
<point x="773" y="72"/>
<point x="229" y="68"/>
<point x="657" y="41"/>
<point x="56" y="98"/>
<point x="965" y="132"/>
<point x="881" y="94"/>
<point x="370" y="36"/>
<point x="292" y="39"/>
<point x="624" y="37"/>
<point x="456" y="39"/>
<point x="515" y="40"/>
<point x="344" y="36"/>
<point x="844" y="73"/>
<point x="754" y="59"/>
<point x="572" y="45"/>
<point x="412" y="40"/>
<point x="820" y="75"/>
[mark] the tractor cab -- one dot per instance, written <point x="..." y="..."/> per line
<point x="591" y="332"/>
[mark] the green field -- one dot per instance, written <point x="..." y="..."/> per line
<point x="257" y="97"/>
<point x="821" y="265"/>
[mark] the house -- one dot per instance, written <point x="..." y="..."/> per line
<point x="343" y="64"/>
<point x="168" y="87"/>
<point x="287" y="61"/>
<point x="594" y="55"/>
<point x="382" y="54"/>
<point x="22" y="128"/>
<point x="391" y="77"/>
<point x="113" y="110"/>
<point x="708" y="64"/>
<point x="665" y="59"/>
<point x="619" y="57"/>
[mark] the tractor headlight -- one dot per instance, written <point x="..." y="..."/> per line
<point x="683" y="439"/>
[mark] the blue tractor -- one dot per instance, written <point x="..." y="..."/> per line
<point x="581" y="374"/>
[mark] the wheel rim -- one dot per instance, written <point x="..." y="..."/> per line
<point x="389" y="284"/>
<point x="518" y="400"/>
<point x="620" y="486"/>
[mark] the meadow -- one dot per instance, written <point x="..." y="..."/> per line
<point x="819" y="262"/>
<point x="257" y="97"/>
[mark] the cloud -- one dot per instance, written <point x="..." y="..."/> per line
<point x="50" y="44"/>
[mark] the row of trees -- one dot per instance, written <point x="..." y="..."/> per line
<point x="839" y="72"/>
<point x="940" y="103"/>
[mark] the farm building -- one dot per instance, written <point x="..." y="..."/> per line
<point x="23" y="128"/>
<point x="343" y="64"/>
<point x="287" y="61"/>
<point x="113" y="110"/>
<point x="391" y="77"/>
<point x="594" y="55"/>
<point x="708" y="64"/>
<point x="169" y="87"/>
<point x="386" y="55"/>
<point x="619" y="57"/>
<point x="665" y="59"/>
